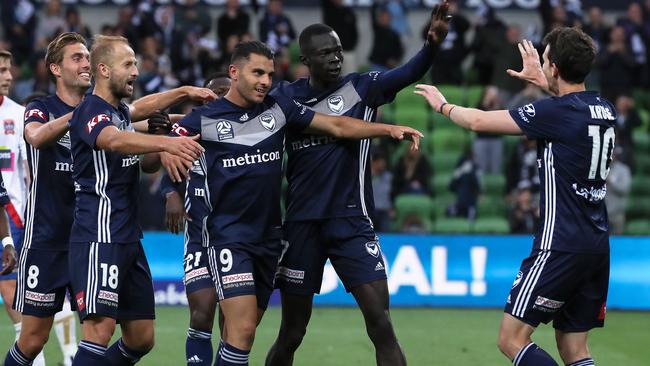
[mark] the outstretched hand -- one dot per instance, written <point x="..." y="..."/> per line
<point x="407" y="133"/>
<point x="532" y="68"/>
<point x="198" y="94"/>
<point x="439" y="23"/>
<point x="433" y="96"/>
<point x="8" y="259"/>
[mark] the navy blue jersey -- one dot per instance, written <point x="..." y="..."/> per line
<point x="327" y="177"/>
<point x="575" y="136"/>
<point x="4" y="196"/>
<point x="243" y="164"/>
<point x="50" y="204"/>
<point x="106" y="183"/>
<point x="197" y="207"/>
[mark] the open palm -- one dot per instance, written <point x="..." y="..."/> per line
<point x="532" y="68"/>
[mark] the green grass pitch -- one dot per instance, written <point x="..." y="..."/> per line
<point x="336" y="336"/>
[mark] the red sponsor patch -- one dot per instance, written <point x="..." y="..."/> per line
<point x="81" y="305"/>
<point x="96" y="120"/>
<point x="35" y="113"/>
<point x="179" y="130"/>
<point x="603" y="312"/>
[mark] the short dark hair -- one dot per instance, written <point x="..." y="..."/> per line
<point x="572" y="51"/>
<point x="216" y="75"/>
<point x="312" y="30"/>
<point x="245" y="49"/>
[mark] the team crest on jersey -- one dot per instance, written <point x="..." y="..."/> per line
<point x="35" y="113"/>
<point x="65" y="140"/>
<point x="96" y="120"/>
<point x="529" y="109"/>
<point x="10" y="127"/>
<point x="224" y="130"/>
<point x="267" y="121"/>
<point x="372" y="247"/>
<point x="517" y="279"/>
<point x="336" y="103"/>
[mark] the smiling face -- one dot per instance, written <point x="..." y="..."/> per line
<point x="74" y="69"/>
<point x="324" y="57"/>
<point x="252" y="77"/>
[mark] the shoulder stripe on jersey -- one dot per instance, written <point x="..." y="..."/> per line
<point x="104" y="209"/>
<point x="29" y="230"/>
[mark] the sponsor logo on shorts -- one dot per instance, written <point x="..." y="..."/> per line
<point x="81" y="305"/>
<point x="547" y="305"/>
<point x="291" y="273"/>
<point x="518" y="279"/>
<point x="372" y="247"/>
<point x="36" y="296"/>
<point x="239" y="277"/>
<point x="108" y="295"/>
<point x="196" y="273"/>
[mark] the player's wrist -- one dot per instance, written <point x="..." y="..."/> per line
<point x="7" y="241"/>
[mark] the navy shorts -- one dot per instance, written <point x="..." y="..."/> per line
<point x="111" y="280"/>
<point x="17" y="234"/>
<point x="350" y="244"/>
<point x="43" y="281"/>
<point x="245" y="269"/>
<point x="198" y="275"/>
<point x="568" y="288"/>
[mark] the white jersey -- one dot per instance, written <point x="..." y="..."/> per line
<point x="13" y="153"/>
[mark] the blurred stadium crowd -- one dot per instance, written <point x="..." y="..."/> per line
<point x="457" y="182"/>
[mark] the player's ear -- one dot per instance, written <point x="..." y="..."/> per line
<point x="304" y="60"/>
<point x="55" y="69"/>
<point x="104" y="70"/>
<point x="233" y="72"/>
<point x="555" y="72"/>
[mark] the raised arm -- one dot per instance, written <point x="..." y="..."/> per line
<point x="41" y="135"/>
<point x="351" y="128"/>
<point x="499" y="122"/>
<point x="145" y="106"/>
<point x="394" y="80"/>
<point x="532" y="68"/>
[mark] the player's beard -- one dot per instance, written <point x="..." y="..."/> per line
<point x="119" y="88"/>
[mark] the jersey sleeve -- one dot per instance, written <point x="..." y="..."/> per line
<point x="91" y="122"/>
<point x="384" y="86"/>
<point x="4" y="196"/>
<point x="36" y="111"/>
<point x="540" y="119"/>
<point x="298" y="115"/>
<point x="189" y="125"/>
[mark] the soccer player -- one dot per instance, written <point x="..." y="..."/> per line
<point x="199" y="286"/>
<point x="9" y="256"/>
<point x="108" y="269"/>
<point x="13" y="161"/>
<point x="566" y="276"/>
<point x="243" y="135"/>
<point x="330" y="195"/>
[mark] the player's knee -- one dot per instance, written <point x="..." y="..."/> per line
<point x="572" y="351"/>
<point x="32" y="343"/>
<point x="379" y="325"/>
<point x="201" y="319"/>
<point x="292" y="338"/>
<point x="243" y="330"/>
<point x="142" y="343"/>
